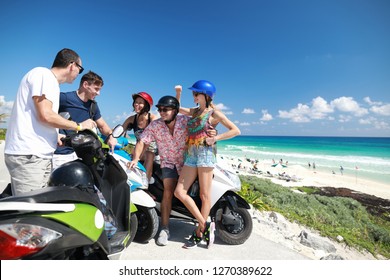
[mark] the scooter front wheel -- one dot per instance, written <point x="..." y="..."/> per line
<point x="147" y="224"/>
<point x="233" y="226"/>
<point x="133" y="226"/>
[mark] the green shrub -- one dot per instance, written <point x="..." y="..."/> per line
<point x="331" y="216"/>
<point x="2" y="133"/>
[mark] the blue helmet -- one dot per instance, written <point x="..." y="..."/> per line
<point x="205" y="87"/>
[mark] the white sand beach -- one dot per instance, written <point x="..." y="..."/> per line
<point x="296" y="175"/>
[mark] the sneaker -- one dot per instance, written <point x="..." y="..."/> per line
<point x="193" y="241"/>
<point x="163" y="237"/>
<point x="209" y="235"/>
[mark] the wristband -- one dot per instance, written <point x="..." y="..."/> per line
<point x="79" y="127"/>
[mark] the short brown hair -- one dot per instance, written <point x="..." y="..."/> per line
<point x="92" y="78"/>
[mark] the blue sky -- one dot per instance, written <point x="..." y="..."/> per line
<point x="306" y="67"/>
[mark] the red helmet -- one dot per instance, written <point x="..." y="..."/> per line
<point x="145" y="96"/>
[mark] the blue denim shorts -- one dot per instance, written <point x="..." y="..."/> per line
<point x="169" y="173"/>
<point x="202" y="156"/>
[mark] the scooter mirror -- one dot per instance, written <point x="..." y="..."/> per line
<point x="117" y="131"/>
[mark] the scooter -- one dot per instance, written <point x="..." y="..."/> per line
<point x="67" y="221"/>
<point x="229" y="211"/>
<point x="146" y="213"/>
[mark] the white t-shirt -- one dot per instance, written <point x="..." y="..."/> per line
<point x="26" y="135"/>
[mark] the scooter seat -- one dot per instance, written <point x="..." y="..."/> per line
<point x="58" y="194"/>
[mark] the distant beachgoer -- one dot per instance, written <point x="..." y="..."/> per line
<point x="255" y="166"/>
<point x="341" y="170"/>
<point x="333" y="172"/>
<point x="314" y="165"/>
<point x="309" y="164"/>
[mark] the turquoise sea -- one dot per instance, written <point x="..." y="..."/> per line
<point x="363" y="157"/>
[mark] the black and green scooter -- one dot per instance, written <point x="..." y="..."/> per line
<point x="69" y="219"/>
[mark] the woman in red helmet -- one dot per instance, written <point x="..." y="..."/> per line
<point x="142" y="102"/>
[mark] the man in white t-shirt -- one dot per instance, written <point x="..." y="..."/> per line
<point x="32" y="134"/>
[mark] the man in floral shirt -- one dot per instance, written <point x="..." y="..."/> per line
<point x="170" y="133"/>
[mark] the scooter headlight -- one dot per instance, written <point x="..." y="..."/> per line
<point x="138" y="175"/>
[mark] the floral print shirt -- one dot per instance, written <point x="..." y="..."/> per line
<point x="170" y="147"/>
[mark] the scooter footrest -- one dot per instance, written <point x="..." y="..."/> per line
<point x="117" y="241"/>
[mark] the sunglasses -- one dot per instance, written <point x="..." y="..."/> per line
<point x="81" y="68"/>
<point x="194" y="93"/>
<point x="164" y="109"/>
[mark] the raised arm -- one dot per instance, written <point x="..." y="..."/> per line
<point x="182" y="110"/>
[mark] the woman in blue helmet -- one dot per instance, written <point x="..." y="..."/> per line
<point x="200" y="156"/>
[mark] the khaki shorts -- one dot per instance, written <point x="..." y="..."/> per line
<point x="28" y="172"/>
<point x="59" y="159"/>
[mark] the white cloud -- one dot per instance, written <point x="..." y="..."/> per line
<point x="383" y="110"/>
<point x="369" y="102"/>
<point x="120" y="118"/>
<point x="245" y="124"/>
<point x="221" y="106"/>
<point x="374" y="122"/>
<point x="381" y="125"/>
<point x="5" y="106"/>
<point x="349" y="105"/>
<point x="299" y="114"/>
<point x="266" y="116"/>
<point x="248" y="111"/>
<point x="320" y="108"/>
<point x="365" y="121"/>
<point x="344" y="118"/>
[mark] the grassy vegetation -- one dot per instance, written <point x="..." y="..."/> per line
<point x="2" y="133"/>
<point x="331" y="216"/>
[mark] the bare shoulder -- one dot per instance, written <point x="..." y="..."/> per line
<point x="153" y="117"/>
<point x="217" y="114"/>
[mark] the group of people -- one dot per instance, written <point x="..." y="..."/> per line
<point x="185" y="142"/>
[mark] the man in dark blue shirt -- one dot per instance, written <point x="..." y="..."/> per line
<point x="81" y="105"/>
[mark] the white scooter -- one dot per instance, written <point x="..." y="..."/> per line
<point x="146" y="213"/>
<point x="229" y="211"/>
